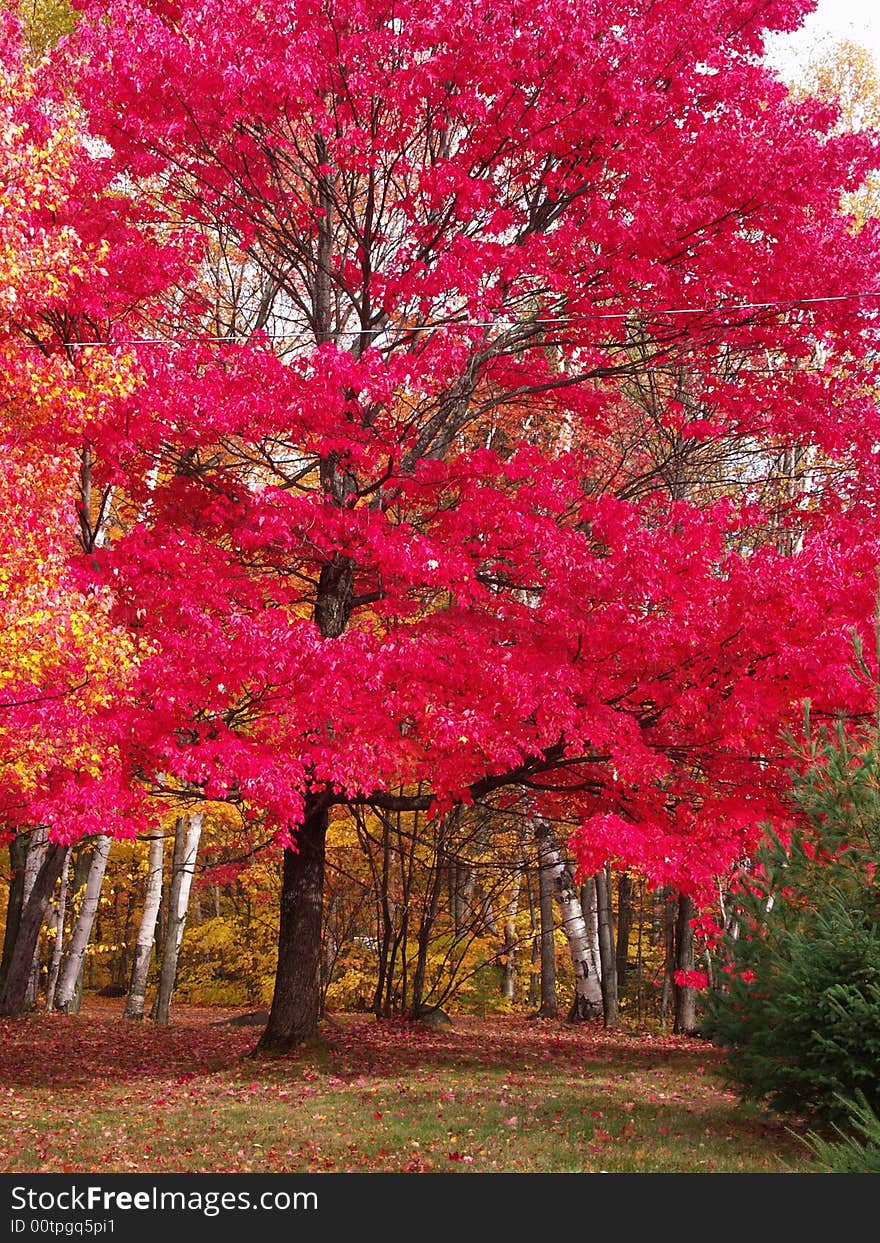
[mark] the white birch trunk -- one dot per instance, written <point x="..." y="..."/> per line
<point x="66" y="995"/>
<point x="186" y="844"/>
<point x="134" y="1006"/>
<point x="607" y="961"/>
<point x="58" y="947"/>
<point x="588" y="992"/>
<point x="590" y="907"/>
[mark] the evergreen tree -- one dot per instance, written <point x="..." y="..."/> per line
<point x="801" y="1016"/>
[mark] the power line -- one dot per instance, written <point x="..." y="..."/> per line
<point x="561" y="321"/>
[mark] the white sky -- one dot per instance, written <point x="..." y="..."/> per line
<point x="833" y="20"/>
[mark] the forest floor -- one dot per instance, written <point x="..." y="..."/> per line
<point x="503" y="1093"/>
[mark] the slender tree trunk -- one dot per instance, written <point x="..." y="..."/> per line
<point x="18" y="851"/>
<point x="590" y="911"/>
<point x="685" y="995"/>
<point x="82" y="862"/>
<point x="137" y="992"/>
<point x="549" y="1001"/>
<point x="640" y="956"/>
<point x="534" y="991"/>
<point x="668" y="926"/>
<point x="66" y="996"/>
<point x="587" y="1003"/>
<point x="329" y="949"/>
<point x="407" y="857"/>
<point x="508" y="979"/>
<point x="15" y="986"/>
<point x="605" y="919"/>
<point x="58" y="947"/>
<point x="426" y="925"/>
<point x="124" y="961"/>
<point x="161" y="920"/>
<point x="463" y="882"/>
<point x="624" y="927"/>
<point x="386" y="926"/>
<point x="293" y="1016"/>
<point x="187" y="832"/>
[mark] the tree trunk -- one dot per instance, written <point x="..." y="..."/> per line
<point x="685" y="995"/>
<point x="296" y="999"/>
<point x="534" y="990"/>
<point x="462" y="883"/>
<point x="508" y="979"/>
<point x="426" y="924"/>
<point x="587" y="1003"/>
<point x="36" y="854"/>
<point x="590" y="911"/>
<point x="67" y="994"/>
<point x="605" y="918"/>
<point x="668" y="925"/>
<point x="187" y="831"/>
<point x="293" y="1016"/>
<point x="137" y="992"/>
<point x="624" y="927"/>
<point x="58" y="947"/>
<point x="21" y="960"/>
<point x="18" y="850"/>
<point x="549" y="1002"/>
<point x="122" y="963"/>
<point x="385" y="925"/>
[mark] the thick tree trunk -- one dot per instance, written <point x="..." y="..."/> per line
<point x="587" y="1003"/>
<point x="685" y="995"/>
<point x="18" y="850"/>
<point x="58" y="946"/>
<point x="67" y="993"/>
<point x="137" y="991"/>
<point x="187" y="832"/>
<point x="296" y="999"/>
<point x="293" y="1017"/>
<point x="39" y="844"/>
<point x="549" y="1001"/>
<point x="605" y="919"/>
<point x="21" y="961"/>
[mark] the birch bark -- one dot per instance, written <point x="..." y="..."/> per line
<point x="134" y="1005"/>
<point x="187" y="833"/>
<point x="587" y="1002"/>
<point x="67" y="994"/>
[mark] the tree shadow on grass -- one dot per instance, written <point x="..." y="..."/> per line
<point x="98" y="1045"/>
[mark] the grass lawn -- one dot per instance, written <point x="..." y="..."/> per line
<point x="500" y="1094"/>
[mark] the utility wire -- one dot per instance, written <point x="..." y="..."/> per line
<point x="732" y="308"/>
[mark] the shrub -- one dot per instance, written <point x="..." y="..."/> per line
<point x="850" y="1154"/>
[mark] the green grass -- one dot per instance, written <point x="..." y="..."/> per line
<point x="504" y="1094"/>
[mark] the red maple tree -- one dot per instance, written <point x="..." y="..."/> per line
<point x="452" y="468"/>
